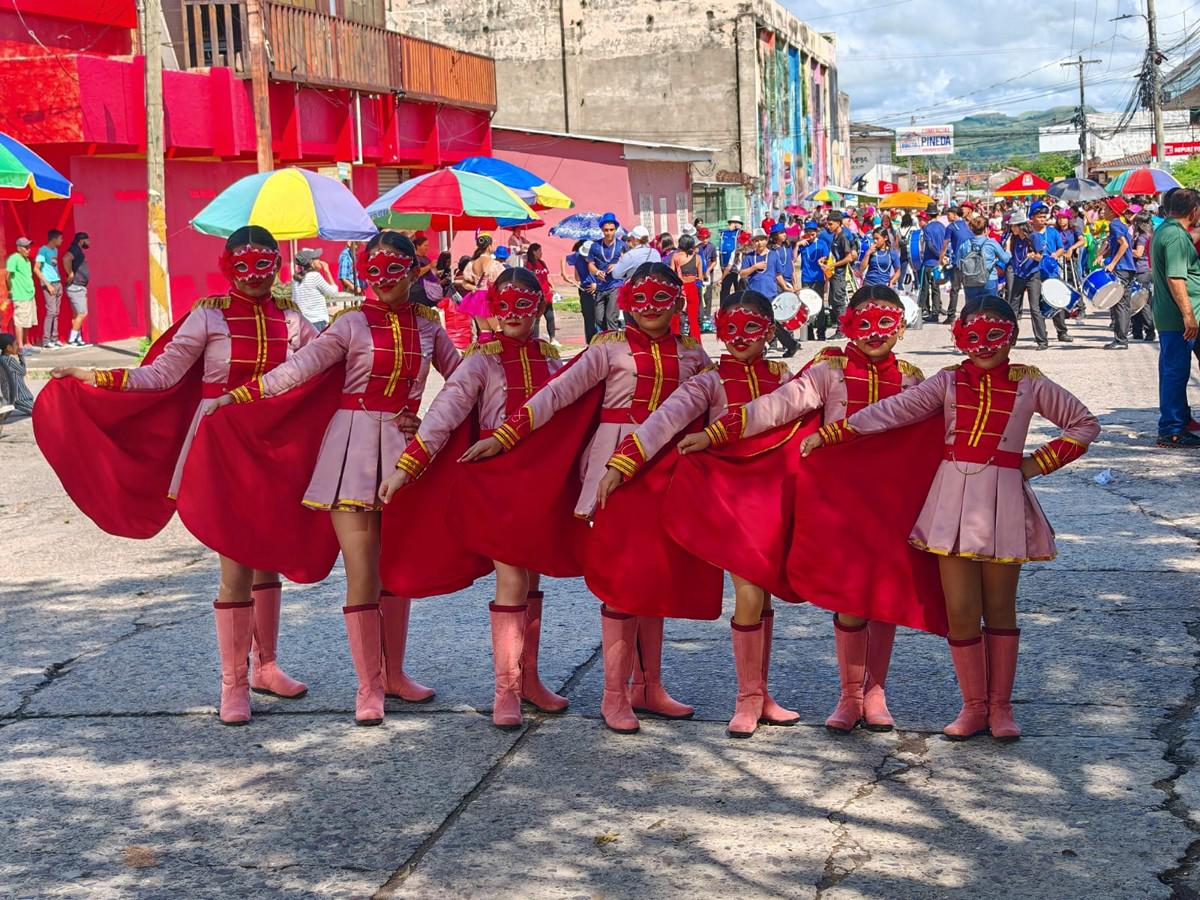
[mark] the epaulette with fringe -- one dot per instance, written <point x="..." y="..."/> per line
<point x="778" y="367"/>
<point x="711" y="367"/>
<point x="285" y="303"/>
<point x="610" y="337"/>
<point x="907" y="368"/>
<point x="549" y="351"/>
<point x="1018" y="372"/>
<point x="427" y="312"/>
<point x="353" y="307"/>
<point x="953" y="368"/>
<point x="216" y="301"/>
<point x="689" y="342"/>
<point x="831" y="355"/>
<point x="487" y="348"/>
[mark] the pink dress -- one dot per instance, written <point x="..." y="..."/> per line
<point x="206" y="332"/>
<point x="476" y="302"/>
<point x="382" y="379"/>
<point x="980" y="506"/>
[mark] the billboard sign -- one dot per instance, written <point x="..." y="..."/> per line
<point x="925" y="140"/>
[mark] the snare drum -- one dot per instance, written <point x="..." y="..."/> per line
<point x="1056" y="297"/>
<point x="1139" y="301"/>
<point x="1103" y="289"/>
<point x="812" y="304"/>
<point x="784" y="306"/>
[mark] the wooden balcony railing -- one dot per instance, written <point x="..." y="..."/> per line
<point x="327" y="51"/>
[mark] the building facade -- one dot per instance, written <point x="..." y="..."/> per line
<point x="745" y="77"/>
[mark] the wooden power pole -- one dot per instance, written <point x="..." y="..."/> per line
<point x="259" y="84"/>
<point x="1156" y="113"/>
<point x="1083" y="152"/>
<point x="159" y="318"/>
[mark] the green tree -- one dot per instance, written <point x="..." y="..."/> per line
<point x="1051" y="166"/>
<point x="1187" y="172"/>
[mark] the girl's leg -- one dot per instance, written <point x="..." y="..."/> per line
<point x="773" y="713"/>
<point x="1002" y="639"/>
<point x="266" y="676"/>
<point x="508" y="637"/>
<point x="880" y="637"/>
<point x="358" y="535"/>
<point x="532" y="689"/>
<point x="747" y="657"/>
<point x="962" y="583"/>
<point x="850" y="638"/>
<point x="647" y="693"/>
<point x="618" y="632"/>
<point x="550" y="330"/>
<point x="234" y="614"/>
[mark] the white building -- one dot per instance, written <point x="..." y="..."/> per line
<point x="1181" y="137"/>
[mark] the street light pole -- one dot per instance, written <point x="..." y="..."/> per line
<point x="1160" y="148"/>
<point x="1083" y="152"/>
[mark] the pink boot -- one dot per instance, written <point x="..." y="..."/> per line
<point x="618" y="635"/>
<point x="508" y="634"/>
<point x="395" y="636"/>
<point x="880" y="636"/>
<point x="773" y="713"/>
<point x="532" y="688"/>
<point x="852" y="664"/>
<point x="235" y="626"/>
<point x="266" y="676"/>
<point x="970" y="664"/>
<point x="1002" y="645"/>
<point x="366" y="649"/>
<point x="647" y="693"/>
<point x="748" y="661"/>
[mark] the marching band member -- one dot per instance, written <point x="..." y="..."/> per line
<point x="388" y="345"/>
<point x="497" y="378"/>
<point x="981" y="517"/>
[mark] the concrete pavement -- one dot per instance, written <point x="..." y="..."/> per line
<point x="117" y="780"/>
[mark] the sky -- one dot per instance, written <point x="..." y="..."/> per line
<point x="940" y="60"/>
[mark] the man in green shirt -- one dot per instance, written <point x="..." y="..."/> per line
<point x="18" y="276"/>
<point x="1175" y="266"/>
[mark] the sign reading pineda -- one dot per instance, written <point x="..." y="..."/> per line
<point x="925" y="140"/>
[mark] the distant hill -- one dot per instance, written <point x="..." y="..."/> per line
<point x="994" y="137"/>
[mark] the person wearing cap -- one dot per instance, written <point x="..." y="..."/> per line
<point x="312" y="286"/>
<point x="781" y="268"/>
<point x="843" y="251"/>
<point x="1039" y="216"/>
<point x="606" y="254"/>
<point x="934" y="244"/>
<point x="638" y="253"/>
<point x="75" y="277"/>
<point x="1027" y="247"/>
<point x="958" y="232"/>
<point x="1118" y="260"/>
<point x="729" y="240"/>
<point x="1175" y="269"/>
<point x="754" y="266"/>
<point x="503" y="256"/>
<point x="45" y="270"/>
<point x="712" y="272"/>
<point x="18" y="274"/>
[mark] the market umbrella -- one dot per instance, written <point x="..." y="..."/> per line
<point x="1023" y="185"/>
<point x="289" y="203"/>
<point x="26" y="176"/>
<point x="450" y="199"/>
<point x="1076" y="190"/>
<point x="1114" y="185"/>
<point x="1147" y="181"/>
<point x="584" y="226"/>
<point x="906" y="200"/>
<point x="824" y="195"/>
<point x="531" y="188"/>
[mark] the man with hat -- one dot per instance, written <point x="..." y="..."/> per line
<point x="729" y="240"/>
<point x="639" y="252"/>
<point x="18" y="272"/>
<point x="1027" y="246"/>
<point x="602" y="261"/>
<point x="780" y="267"/>
<point x="1118" y="259"/>
<point x="934" y="242"/>
<point x="1039" y="214"/>
<point x="844" y="250"/>
<point x="754" y="266"/>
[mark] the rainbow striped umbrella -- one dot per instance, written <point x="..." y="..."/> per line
<point x="1145" y="180"/>
<point x="26" y="176"/>
<point x="450" y="199"/>
<point x="533" y="189"/>
<point x="289" y="203"/>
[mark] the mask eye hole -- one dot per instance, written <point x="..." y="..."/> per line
<point x="263" y="265"/>
<point x="525" y="303"/>
<point x="995" y="334"/>
<point x="887" y="322"/>
<point x="753" y="327"/>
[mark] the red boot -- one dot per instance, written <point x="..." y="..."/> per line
<point x="852" y="665"/>
<point x="647" y="693"/>
<point x="508" y="634"/>
<point x="748" y="661"/>
<point x="880" y="636"/>
<point x="618" y="634"/>
<point x="266" y="676"/>
<point x="773" y="713"/>
<point x="235" y="627"/>
<point x="532" y="688"/>
<point x="1002" y="645"/>
<point x="366" y="649"/>
<point x="395" y="636"/>
<point x="970" y="664"/>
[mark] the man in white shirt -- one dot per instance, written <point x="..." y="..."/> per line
<point x="640" y="252"/>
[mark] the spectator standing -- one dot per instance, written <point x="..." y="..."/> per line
<point x="1175" y="269"/>
<point x="13" y="364"/>
<point x="844" y="250"/>
<point x="576" y="271"/>
<point x="75" y="277"/>
<point x="991" y="253"/>
<point x="1141" y="323"/>
<point x="687" y="264"/>
<point x="957" y="232"/>
<point x="606" y="254"/>
<point x="1118" y="259"/>
<point x="45" y="269"/>
<point x="639" y="252"/>
<point x="19" y="276"/>
<point x="312" y="287"/>
<point x="427" y="289"/>
<point x="535" y="264"/>
<point x="904" y="238"/>
<point x="348" y="269"/>
<point x="708" y="258"/>
<point x="934" y="242"/>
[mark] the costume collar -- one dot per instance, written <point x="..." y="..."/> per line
<point x="974" y="374"/>
<point x="860" y="360"/>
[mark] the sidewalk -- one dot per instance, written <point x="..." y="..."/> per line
<point x="114" y="355"/>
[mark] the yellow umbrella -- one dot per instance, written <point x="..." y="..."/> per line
<point x="906" y="200"/>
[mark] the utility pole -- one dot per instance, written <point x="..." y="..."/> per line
<point x="1160" y="148"/>
<point x="159" y="318"/>
<point x="259" y="84"/>
<point x="1083" y="152"/>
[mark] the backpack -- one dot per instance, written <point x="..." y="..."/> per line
<point x="974" y="268"/>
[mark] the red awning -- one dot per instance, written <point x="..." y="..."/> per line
<point x="1025" y="183"/>
<point x="118" y="13"/>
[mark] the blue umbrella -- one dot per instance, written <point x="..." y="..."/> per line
<point x="583" y="226"/>
<point x="533" y="189"/>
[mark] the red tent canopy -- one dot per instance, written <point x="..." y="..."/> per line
<point x="1025" y="183"/>
<point x="118" y="13"/>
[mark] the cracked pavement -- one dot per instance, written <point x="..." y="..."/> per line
<point x="117" y="781"/>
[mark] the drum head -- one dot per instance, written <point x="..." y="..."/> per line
<point x="912" y="312"/>
<point x="812" y="302"/>
<point x="1138" y="302"/>
<point x="1108" y="296"/>
<point x="1056" y="293"/>
<point x="785" y="305"/>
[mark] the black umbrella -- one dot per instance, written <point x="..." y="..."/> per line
<point x="1077" y="190"/>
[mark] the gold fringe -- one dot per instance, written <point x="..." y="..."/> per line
<point x="778" y="367"/>
<point x="907" y="368"/>
<point x="549" y="351"/>
<point x="1017" y="372"/>
<point x="689" y="342"/>
<point x="353" y="307"/>
<point x="488" y="348"/>
<point x="216" y="301"/>
<point x="953" y="368"/>
<point x="427" y="312"/>
<point x="610" y="337"/>
<point x="831" y="355"/>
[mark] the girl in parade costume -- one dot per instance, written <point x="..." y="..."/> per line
<point x="497" y="378"/>
<point x="746" y="325"/>
<point x="639" y="367"/>
<point x="981" y="517"/>
<point x="387" y="345"/>
<point x="236" y="338"/>
<point x="839" y="383"/>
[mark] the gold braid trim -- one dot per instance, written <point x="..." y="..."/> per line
<point x="623" y="464"/>
<point x="488" y="348"/>
<point x="427" y="312"/>
<point x="610" y="337"/>
<point x="831" y="355"/>
<point x="354" y="307"/>
<point x="548" y="350"/>
<point x="689" y="342"/>
<point x="712" y="367"/>
<point x="908" y="369"/>
<point x="216" y="301"/>
<point x="953" y="368"/>
<point x="285" y="303"/>
<point x="1018" y="372"/>
<point x="778" y="367"/>
<point x="241" y="394"/>
<point x="507" y="436"/>
<point x="717" y="434"/>
<point x="410" y="464"/>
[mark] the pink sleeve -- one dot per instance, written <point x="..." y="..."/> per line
<point x="453" y="403"/>
<point x="1065" y="410"/>
<point x="329" y="348"/>
<point x="304" y="334"/>
<point x="446" y="357"/>
<point x="570" y="384"/>
<point x="177" y="358"/>
<point x="916" y="403"/>
<point x="686" y="403"/>
<point x="788" y="402"/>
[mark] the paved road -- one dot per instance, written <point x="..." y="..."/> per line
<point x="116" y="780"/>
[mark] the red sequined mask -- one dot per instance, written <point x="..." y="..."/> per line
<point x="650" y="295"/>
<point x="983" y="333"/>
<point x="511" y="299"/>
<point x="872" y="320"/>
<point x="740" y="327"/>
<point x="383" y="270"/>
<point x="252" y="265"/>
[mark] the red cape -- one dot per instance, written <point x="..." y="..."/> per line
<point x="421" y="555"/>
<point x="245" y="477"/>
<point x="850" y="550"/>
<point x="734" y="506"/>
<point x="115" y="451"/>
<point x="632" y="566"/>
<point x="519" y="507"/>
